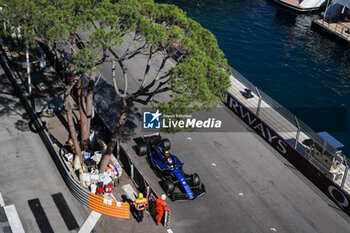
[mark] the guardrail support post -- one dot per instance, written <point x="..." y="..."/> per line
<point x="298" y="133"/>
<point x="118" y="149"/>
<point x="259" y="102"/>
<point x="345" y="174"/>
<point x="28" y="71"/>
<point x="132" y="171"/>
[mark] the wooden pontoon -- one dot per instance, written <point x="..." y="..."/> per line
<point x="336" y="19"/>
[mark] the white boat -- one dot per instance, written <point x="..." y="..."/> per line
<point x="336" y="19"/>
<point x="303" y="5"/>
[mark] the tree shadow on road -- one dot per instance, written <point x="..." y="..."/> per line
<point x="108" y="106"/>
<point x="128" y="131"/>
<point x="10" y="105"/>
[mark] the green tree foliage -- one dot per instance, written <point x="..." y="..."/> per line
<point x="19" y="18"/>
<point x="197" y="79"/>
<point x="201" y="80"/>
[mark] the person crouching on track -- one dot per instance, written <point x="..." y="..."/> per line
<point x="140" y="205"/>
<point x="160" y="208"/>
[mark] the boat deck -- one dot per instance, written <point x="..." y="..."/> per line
<point x="339" y="28"/>
<point x="272" y="116"/>
<point x="294" y="3"/>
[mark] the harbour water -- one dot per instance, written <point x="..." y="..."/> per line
<point x="276" y="49"/>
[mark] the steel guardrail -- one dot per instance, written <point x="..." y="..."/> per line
<point x="92" y="201"/>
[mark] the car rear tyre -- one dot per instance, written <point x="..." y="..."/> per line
<point x="142" y="149"/>
<point x="196" y="181"/>
<point x="169" y="186"/>
<point x="166" y="144"/>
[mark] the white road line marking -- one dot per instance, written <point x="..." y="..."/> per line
<point x="169" y="230"/>
<point x="90" y="222"/>
<point x="130" y="192"/>
<point x="2" y="203"/>
<point x="14" y="221"/>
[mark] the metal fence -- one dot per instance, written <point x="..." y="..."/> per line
<point x="131" y="169"/>
<point x="122" y="155"/>
<point x="275" y="106"/>
<point x="296" y="126"/>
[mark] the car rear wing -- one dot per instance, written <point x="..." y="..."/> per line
<point x="151" y="135"/>
<point x="152" y="138"/>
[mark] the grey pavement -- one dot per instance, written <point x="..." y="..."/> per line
<point x="27" y="171"/>
<point x="250" y="187"/>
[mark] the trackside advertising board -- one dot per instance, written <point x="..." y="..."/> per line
<point x="326" y="185"/>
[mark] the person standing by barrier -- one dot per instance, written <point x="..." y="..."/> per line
<point x="160" y="208"/>
<point x="140" y="205"/>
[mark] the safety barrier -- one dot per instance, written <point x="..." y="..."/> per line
<point x="109" y="207"/>
<point x="91" y="200"/>
<point x="131" y="169"/>
<point x="264" y="128"/>
<point x="125" y="160"/>
<point x="94" y="202"/>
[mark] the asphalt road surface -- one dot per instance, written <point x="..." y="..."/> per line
<point x="250" y="187"/>
<point x="28" y="177"/>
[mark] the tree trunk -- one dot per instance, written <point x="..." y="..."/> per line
<point x="116" y="132"/>
<point x="89" y="100"/>
<point x="83" y="120"/>
<point x="72" y="131"/>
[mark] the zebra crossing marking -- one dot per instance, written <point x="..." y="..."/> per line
<point x="2" y="203"/>
<point x="90" y="222"/>
<point x="65" y="211"/>
<point x="40" y="216"/>
<point x="14" y="221"/>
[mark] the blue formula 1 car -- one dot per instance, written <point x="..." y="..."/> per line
<point x="176" y="183"/>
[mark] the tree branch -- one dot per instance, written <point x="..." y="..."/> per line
<point x="148" y="66"/>
<point x="165" y="58"/>
<point x="115" y="85"/>
<point x="134" y="53"/>
<point x="68" y="89"/>
<point x="127" y="50"/>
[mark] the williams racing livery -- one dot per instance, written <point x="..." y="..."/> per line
<point x="176" y="183"/>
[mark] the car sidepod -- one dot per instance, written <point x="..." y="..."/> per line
<point x="183" y="182"/>
<point x="191" y="192"/>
